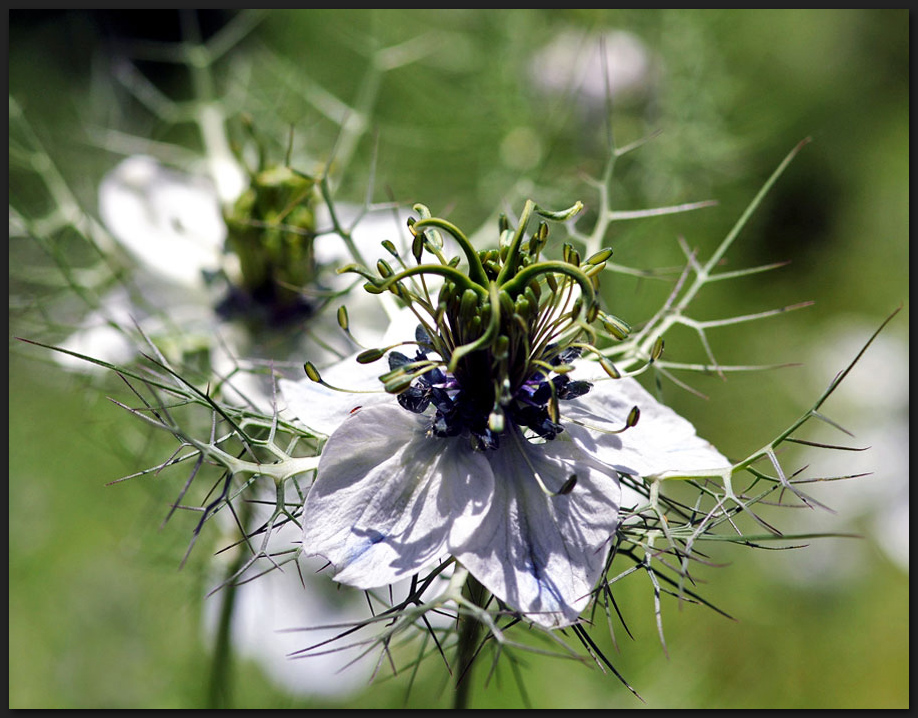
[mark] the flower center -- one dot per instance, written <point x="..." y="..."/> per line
<point x="467" y="405"/>
<point x="494" y="348"/>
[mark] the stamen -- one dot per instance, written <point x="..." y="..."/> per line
<point x="566" y="487"/>
<point x="630" y="421"/>
<point x="505" y="332"/>
<point x="313" y="374"/>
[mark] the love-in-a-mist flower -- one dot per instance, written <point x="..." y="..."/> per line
<point x="214" y="275"/>
<point x="239" y="280"/>
<point x="497" y="442"/>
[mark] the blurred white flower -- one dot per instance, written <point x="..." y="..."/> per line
<point x="169" y="221"/>
<point x="280" y="613"/>
<point x="589" y="66"/>
<point x="875" y="407"/>
<point x="171" y="224"/>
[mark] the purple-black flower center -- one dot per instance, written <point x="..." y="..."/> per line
<point x="465" y="406"/>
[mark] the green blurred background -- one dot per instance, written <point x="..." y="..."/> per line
<point x="100" y="614"/>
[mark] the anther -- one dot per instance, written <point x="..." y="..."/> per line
<point x="609" y="368"/>
<point x="313" y="375"/>
<point x="568" y="485"/>
<point x="615" y="326"/>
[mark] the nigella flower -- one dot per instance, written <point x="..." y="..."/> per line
<point x="241" y="279"/>
<point x="497" y="442"/>
<point x="231" y="278"/>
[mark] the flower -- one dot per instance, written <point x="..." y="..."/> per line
<point x="199" y="276"/>
<point x="593" y="67"/>
<point x="268" y="608"/>
<point x="196" y="282"/>
<point x="503" y="446"/>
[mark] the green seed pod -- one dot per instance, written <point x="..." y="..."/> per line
<point x="472" y="328"/>
<point x="574" y="257"/>
<point x="593" y="271"/>
<point x="633" y="417"/>
<point x="592" y="313"/>
<point x="571" y="255"/>
<point x="568" y="485"/>
<point x="398" y="384"/>
<point x="468" y="305"/>
<point x="422" y="210"/>
<point x="342" y="318"/>
<point x="401" y="291"/>
<point x="533" y="292"/>
<point x="523" y="306"/>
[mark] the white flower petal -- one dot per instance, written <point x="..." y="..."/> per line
<point x="98" y="340"/>
<point x="542" y="554"/>
<point x="387" y="497"/>
<point x="171" y="222"/>
<point x="661" y="441"/>
<point x="280" y="612"/>
<point x="591" y="67"/>
<point x="322" y="409"/>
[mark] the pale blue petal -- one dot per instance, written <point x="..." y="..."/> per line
<point x="543" y="554"/>
<point x="322" y="409"/>
<point x="387" y="497"/>
<point x="661" y="441"/>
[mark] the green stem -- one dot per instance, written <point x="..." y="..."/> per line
<point x="219" y="689"/>
<point x="469" y="632"/>
<point x="219" y="694"/>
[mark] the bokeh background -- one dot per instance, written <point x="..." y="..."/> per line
<point x="469" y="114"/>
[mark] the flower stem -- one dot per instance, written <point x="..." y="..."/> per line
<point x="219" y="688"/>
<point x="469" y="632"/>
